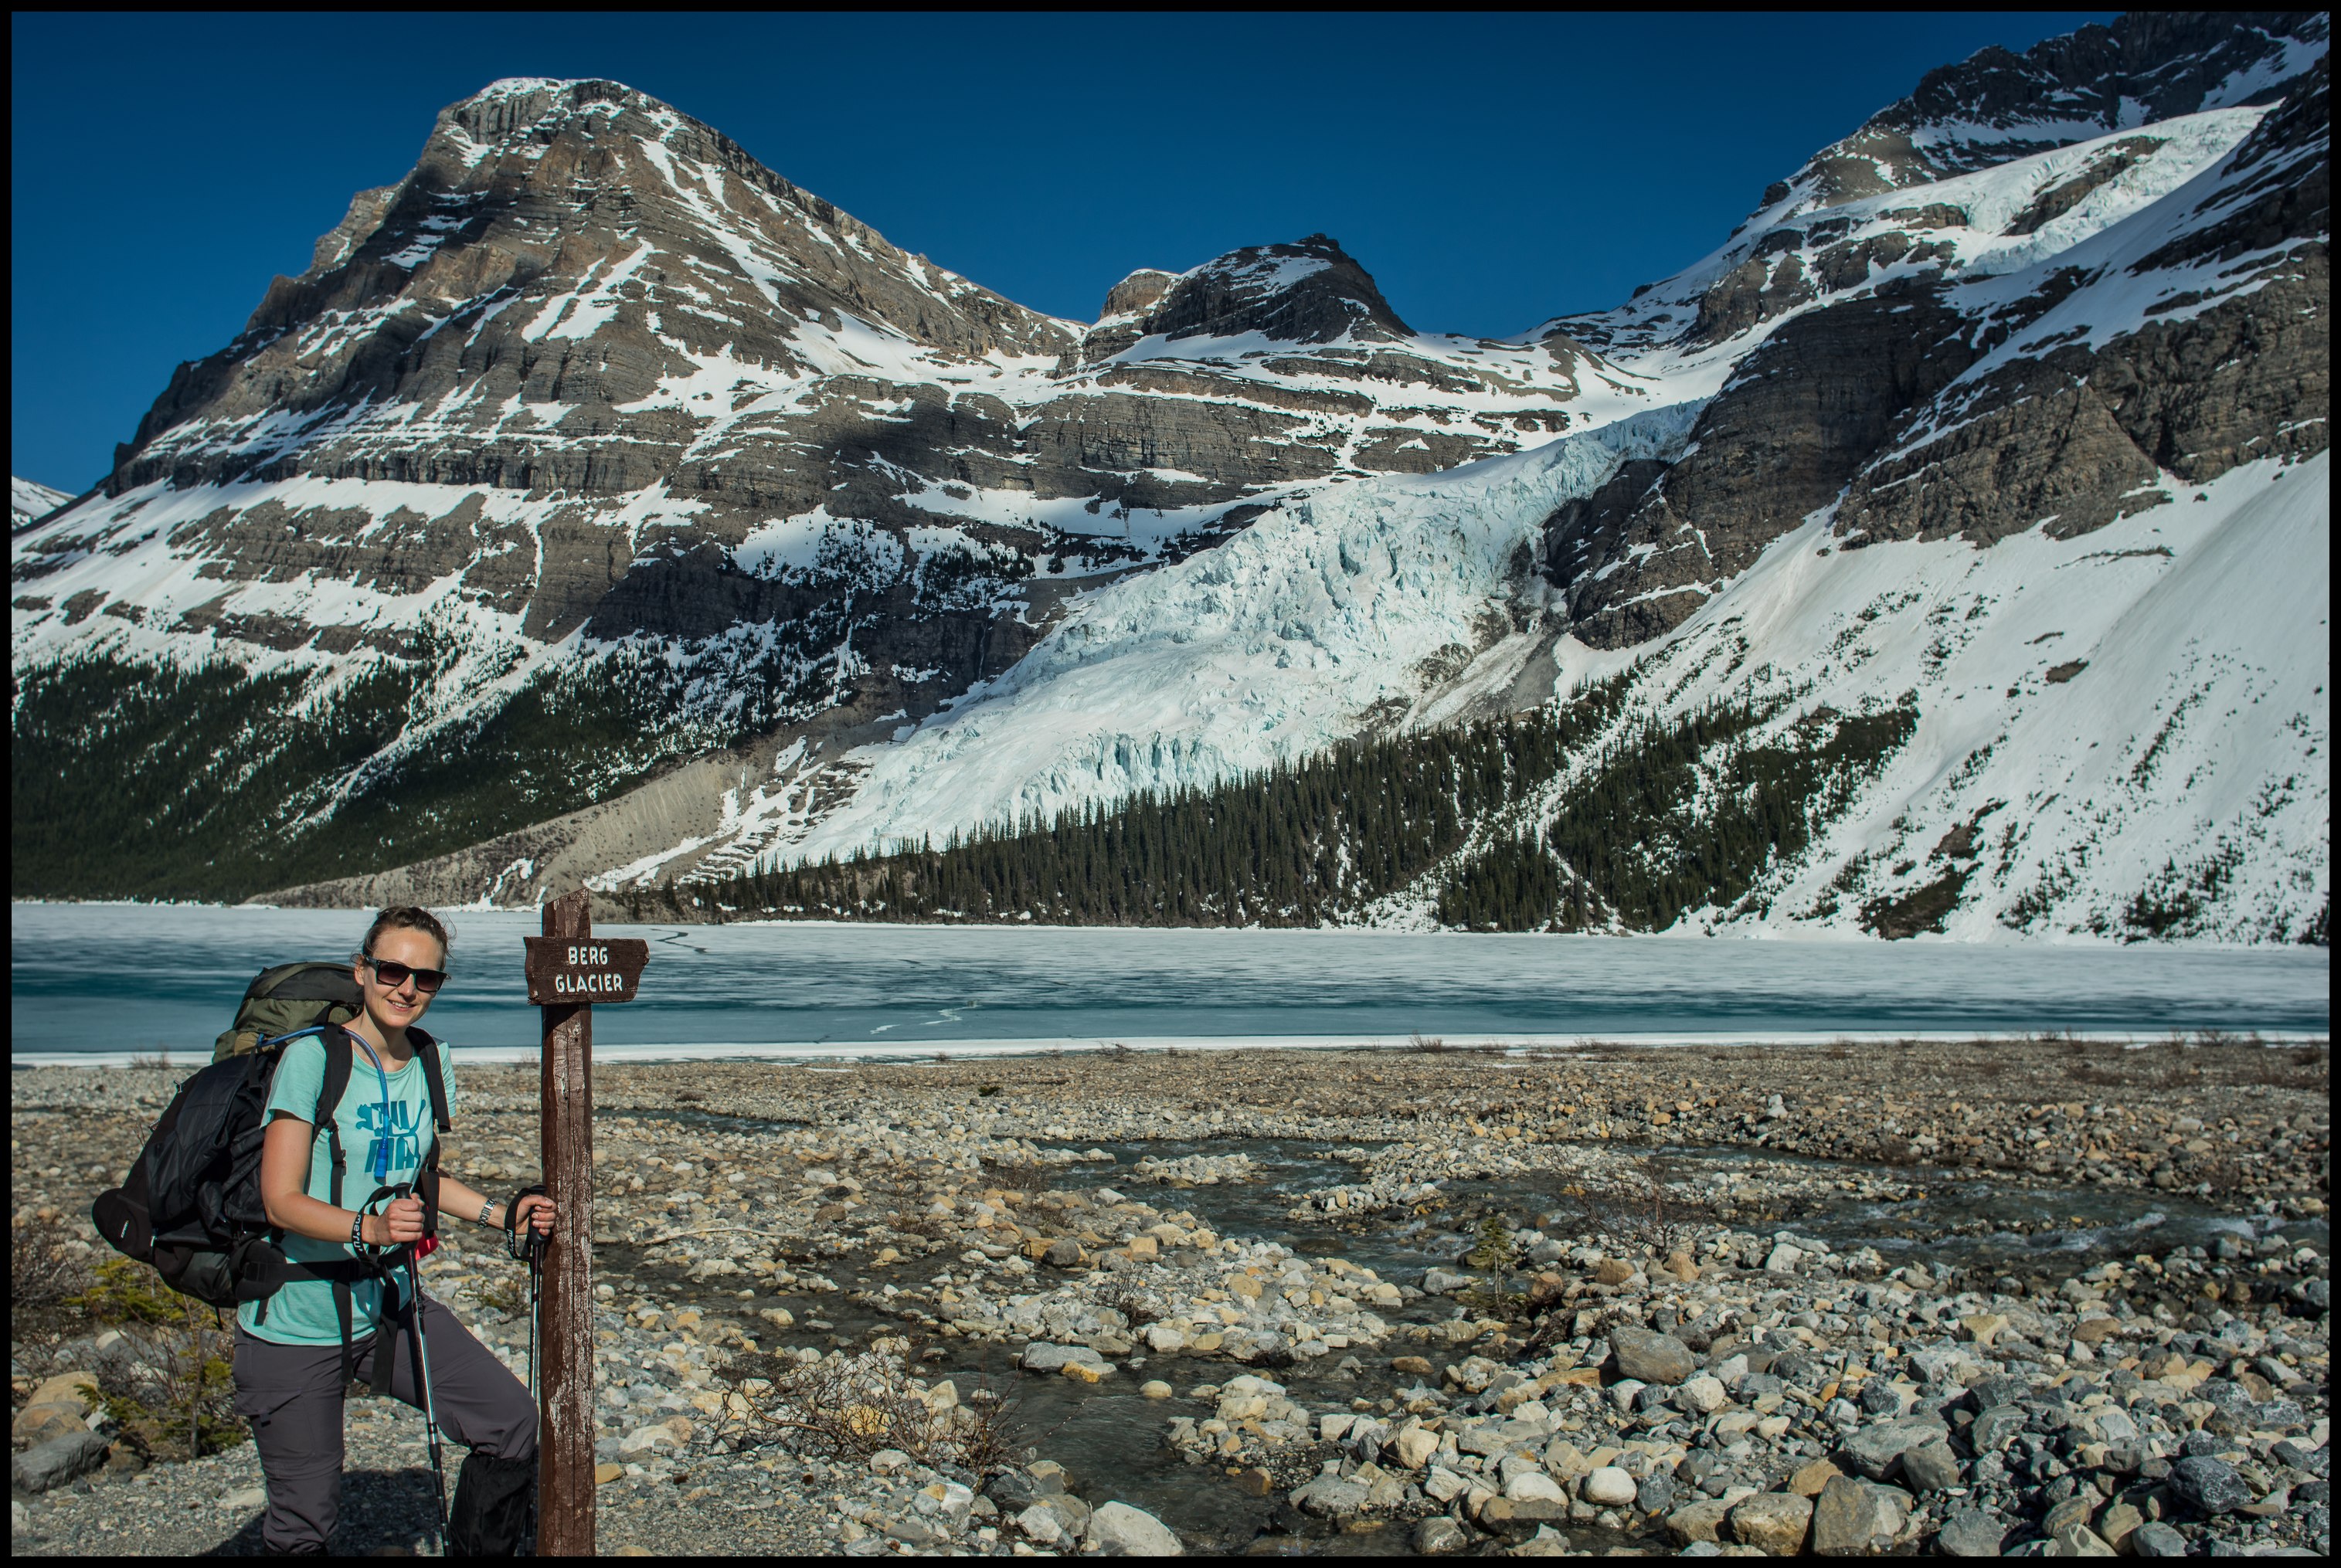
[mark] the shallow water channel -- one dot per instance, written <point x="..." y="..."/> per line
<point x="1113" y="1441"/>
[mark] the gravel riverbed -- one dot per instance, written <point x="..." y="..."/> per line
<point x="1974" y="1299"/>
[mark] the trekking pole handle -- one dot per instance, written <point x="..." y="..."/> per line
<point x="522" y="1242"/>
<point x="377" y="1203"/>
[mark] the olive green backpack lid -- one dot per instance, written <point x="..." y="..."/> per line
<point x="287" y="998"/>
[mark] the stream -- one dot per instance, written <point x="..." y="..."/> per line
<point x="1113" y="1441"/>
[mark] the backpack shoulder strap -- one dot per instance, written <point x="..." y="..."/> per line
<point x="428" y="1049"/>
<point x="330" y="1091"/>
<point x="426" y="1178"/>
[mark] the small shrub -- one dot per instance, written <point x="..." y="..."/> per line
<point x="186" y="1409"/>
<point x="1493" y="1249"/>
<point x="1654" y="1219"/>
<point x="1031" y="1179"/>
<point x="1487" y="1301"/>
<point x="1138" y="1306"/>
<point x="930" y="1226"/>
<point x="127" y="1291"/>
<point x="850" y="1407"/>
<point x="44" y="1274"/>
<point x="499" y="1295"/>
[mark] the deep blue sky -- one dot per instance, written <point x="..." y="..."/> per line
<point x="1490" y="171"/>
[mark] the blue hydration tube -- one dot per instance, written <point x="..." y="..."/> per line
<point x="379" y="1166"/>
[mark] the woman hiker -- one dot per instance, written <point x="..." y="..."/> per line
<point x="296" y="1351"/>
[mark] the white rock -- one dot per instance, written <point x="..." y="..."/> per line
<point x="646" y="1439"/>
<point x="1609" y="1487"/>
<point x="1784" y="1259"/>
<point x="1121" y="1531"/>
<point x="1415" y="1447"/>
<point x="1704" y="1394"/>
<point x="1441" y="1486"/>
<point x="1536" y="1486"/>
<point x="1041" y="1524"/>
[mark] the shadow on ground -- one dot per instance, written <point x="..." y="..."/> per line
<point x="384" y="1514"/>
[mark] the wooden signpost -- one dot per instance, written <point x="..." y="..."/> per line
<point x="570" y="972"/>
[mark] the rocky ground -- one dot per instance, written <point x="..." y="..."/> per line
<point x="1970" y="1299"/>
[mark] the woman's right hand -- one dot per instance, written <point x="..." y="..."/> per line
<point x="402" y="1222"/>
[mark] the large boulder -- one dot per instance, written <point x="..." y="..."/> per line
<point x="2209" y="1487"/>
<point x="1041" y="1357"/>
<point x="1970" y="1533"/>
<point x="1647" y="1356"/>
<point x="1117" y="1530"/>
<point x="1856" y="1519"/>
<point x="1876" y="1449"/>
<point x="57" y="1461"/>
<point x="1930" y="1468"/>
<point x="1332" y="1496"/>
<point x="1699" y="1522"/>
<point x="59" y="1407"/>
<point x="1773" y="1523"/>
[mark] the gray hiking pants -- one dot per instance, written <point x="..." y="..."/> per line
<point x="292" y="1395"/>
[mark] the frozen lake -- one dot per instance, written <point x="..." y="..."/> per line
<point x="94" y="983"/>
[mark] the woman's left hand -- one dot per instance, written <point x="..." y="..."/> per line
<point x="535" y="1211"/>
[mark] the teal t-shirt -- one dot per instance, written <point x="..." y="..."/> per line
<point x="302" y="1312"/>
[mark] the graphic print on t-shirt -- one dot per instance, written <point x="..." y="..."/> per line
<point x="403" y="1134"/>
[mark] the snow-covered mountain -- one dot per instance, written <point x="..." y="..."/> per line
<point x="601" y="506"/>
<point x="29" y="502"/>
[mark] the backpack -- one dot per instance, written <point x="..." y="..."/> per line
<point x="287" y="1000"/>
<point x="191" y="1204"/>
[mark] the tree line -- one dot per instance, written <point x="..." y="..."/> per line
<point x="1661" y="816"/>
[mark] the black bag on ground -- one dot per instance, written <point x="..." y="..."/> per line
<point x="191" y="1204"/>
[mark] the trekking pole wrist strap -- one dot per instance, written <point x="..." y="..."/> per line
<point x="517" y="1242"/>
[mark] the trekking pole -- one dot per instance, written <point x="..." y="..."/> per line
<point x="536" y="1282"/>
<point x="524" y="1244"/>
<point x="430" y="1411"/>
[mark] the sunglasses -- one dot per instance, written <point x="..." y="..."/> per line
<point x="391" y="975"/>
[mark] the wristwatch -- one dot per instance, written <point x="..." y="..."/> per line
<point x="487" y="1208"/>
<point x="357" y="1228"/>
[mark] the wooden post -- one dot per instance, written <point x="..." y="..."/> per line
<point x="569" y="972"/>
<point x="565" y="1511"/>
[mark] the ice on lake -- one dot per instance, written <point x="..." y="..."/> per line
<point x="97" y="982"/>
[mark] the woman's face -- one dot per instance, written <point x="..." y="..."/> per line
<point x="395" y="1007"/>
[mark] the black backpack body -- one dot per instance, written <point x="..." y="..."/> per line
<point x="191" y="1205"/>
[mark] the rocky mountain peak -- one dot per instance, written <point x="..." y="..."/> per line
<point x="1137" y="293"/>
<point x="1998" y="106"/>
<point x="568" y="245"/>
<point x="1309" y="292"/>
